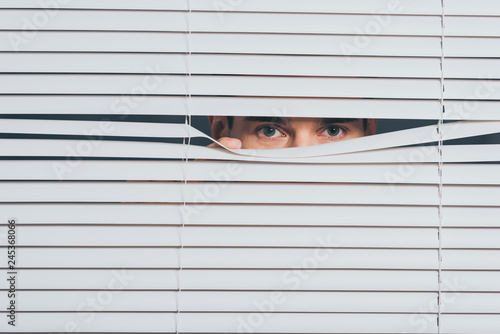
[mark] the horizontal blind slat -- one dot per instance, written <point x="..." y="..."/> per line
<point x="471" y="259"/>
<point x="472" y="68"/>
<point x="223" y="43"/>
<point x="96" y="279"/>
<point x="308" y="302"/>
<point x="468" y="217"/>
<point x="472" y="281"/>
<point x="247" y="171"/>
<point x="231" y="22"/>
<point x="224" y="258"/>
<point x="107" y="259"/>
<point x="224" y="322"/>
<point x="486" y="89"/>
<point x="99" y="4"/>
<point x="358" y="6"/>
<point x="94" y="130"/>
<point x="238" y="106"/>
<point x="472" y="303"/>
<point x="237" y="171"/>
<point x="480" y="47"/>
<point x="300" y="323"/>
<point x="336" y="6"/>
<point x="315" y="24"/>
<point x="95" y="20"/>
<point x="464" y="7"/>
<point x="472" y="26"/>
<point x="220" y="64"/>
<point x="120" y="301"/>
<point x="244" y="193"/>
<point x="471" y="238"/>
<point x="102" y="322"/>
<point x="94" y="42"/>
<point x="154" y="236"/>
<point x="461" y="323"/>
<point x="251" y="280"/>
<point x="219" y="85"/>
<point x="234" y="193"/>
<point x="288" y="258"/>
<point x="223" y="214"/>
<point x="314" y="44"/>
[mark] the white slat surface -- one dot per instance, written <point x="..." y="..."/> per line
<point x="227" y="236"/>
<point x="211" y="22"/>
<point x="328" y="280"/>
<point x="473" y="68"/>
<point x="97" y="258"/>
<point x="94" y="20"/>
<point x="472" y="26"/>
<point x="257" y="215"/>
<point x="480" y="47"/>
<point x="472" y="303"/>
<point x="323" y="323"/>
<point x="219" y="85"/>
<point x="223" y="322"/>
<point x="99" y="4"/>
<point x="464" y="7"/>
<point x="96" y="279"/>
<point x="461" y="324"/>
<point x="239" y="106"/>
<point x="242" y="193"/>
<point x="221" y="64"/>
<point x="237" y="171"/>
<point x="335" y="6"/>
<point x="101" y="322"/>
<point x="117" y="301"/>
<point x="224" y="258"/>
<point x="239" y="193"/>
<point x="471" y="259"/>
<point x="247" y="171"/>
<point x="473" y="281"/>
<point x="471" y="238"/>
<point x="96" y="42"/>
<point x="194" y="301"/>
<point x="222" y="43"/>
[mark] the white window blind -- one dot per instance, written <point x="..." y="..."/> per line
<point x="125" y="226"/>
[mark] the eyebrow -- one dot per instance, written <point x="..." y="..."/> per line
<point x="285" y="121"/>
<point x="279" y="120"/>
<point x="326" y="121"/>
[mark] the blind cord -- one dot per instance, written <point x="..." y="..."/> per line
<point x="440" y="170"/>
<point x="185" y="169"/>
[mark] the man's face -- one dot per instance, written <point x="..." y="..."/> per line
<point x="283" y="132"/>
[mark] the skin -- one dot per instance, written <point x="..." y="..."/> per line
<point x="285" y="132"/>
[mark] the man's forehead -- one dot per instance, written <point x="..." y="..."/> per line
<point x="288" y="120"/>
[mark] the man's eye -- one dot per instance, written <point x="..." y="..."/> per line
<point x="333" y="131"/>
<point x="270" y="132"/>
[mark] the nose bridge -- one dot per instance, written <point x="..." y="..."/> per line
<point x="303" y="137"/>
